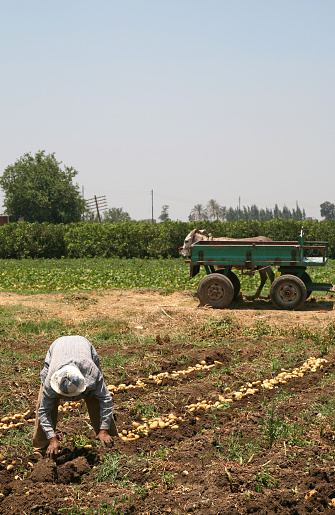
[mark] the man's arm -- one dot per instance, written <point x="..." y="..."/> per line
<point x="106" y="410"/>
<point x="44" y="415"/>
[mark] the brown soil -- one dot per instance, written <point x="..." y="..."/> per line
<point x="186" y="469"/>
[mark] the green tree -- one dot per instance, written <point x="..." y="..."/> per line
<point x="328" y="210"/>
<point x="232" y="215"/>
<point x="164" y="216"/>
<point x="198" y="213"/>
<point x="115" y="214"/>
<point x="37" y="188"/>
<point x="213" y="209"/>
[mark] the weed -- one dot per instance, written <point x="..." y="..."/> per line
<point x="104" y="509"/>
<point x="80" y="440"/>
<point x="168" y="479"/>
<point x="260" y="329"/>
<point x="213" y="328"/>
<point x="234" y="448"/>
<point x="264" y="480"/>
<point x="142" y="409"/>
<point x="273" y="424"/>
<point x="108" y="469"/>
<point x="19" y="441"/>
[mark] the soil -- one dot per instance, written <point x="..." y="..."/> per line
<point x="186" y="469"/>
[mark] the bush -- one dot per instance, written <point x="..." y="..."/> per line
<point x="141" y="239"/>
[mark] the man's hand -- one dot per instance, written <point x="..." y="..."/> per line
<point x="53" y="447"/>
<point x="105" y="438"/>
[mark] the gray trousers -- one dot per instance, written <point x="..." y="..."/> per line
<point x="40" y="441"/>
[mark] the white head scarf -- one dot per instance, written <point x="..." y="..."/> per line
<point x="68" y="381"/>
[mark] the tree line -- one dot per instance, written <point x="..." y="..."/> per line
<point x="39" y="189"/>
<point x="213" y="211"/>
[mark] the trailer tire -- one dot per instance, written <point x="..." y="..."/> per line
<point x="215" y="290"/>
<point x="234" y="280"/>
<point x="306" y="278"/>
<point x="288" y="292"/>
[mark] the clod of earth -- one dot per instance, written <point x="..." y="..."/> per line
<point x="44" y="471"/>
<point x="72" y="471"/>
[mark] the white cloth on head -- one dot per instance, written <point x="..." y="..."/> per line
<point x="68" y="381"/>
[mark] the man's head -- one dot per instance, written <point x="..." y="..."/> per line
<point x="68" y="381"/>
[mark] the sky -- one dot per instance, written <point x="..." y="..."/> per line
<point x="189" y="99"/>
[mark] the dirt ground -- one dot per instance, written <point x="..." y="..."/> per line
<point x="202" y="463"/>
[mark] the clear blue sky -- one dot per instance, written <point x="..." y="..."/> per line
<point x="191" y="99"/>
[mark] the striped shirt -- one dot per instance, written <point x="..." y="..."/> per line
<point x="78" y="351"/>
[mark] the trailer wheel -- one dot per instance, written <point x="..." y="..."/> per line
<point x="234" y="280"/>
<point x="216" y="290"/>
<point x="306" y="278"/>
<point x="288" y="292"/>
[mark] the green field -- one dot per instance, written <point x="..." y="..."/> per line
<point x="165" y="275"/>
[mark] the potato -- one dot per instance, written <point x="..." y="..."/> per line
<point x="10" y="467"/>
<point x="175" y="426"/>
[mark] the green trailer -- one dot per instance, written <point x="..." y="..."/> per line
<point x="289" y="291"/>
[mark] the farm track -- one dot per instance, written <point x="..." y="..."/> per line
<point x="218" y="460"/>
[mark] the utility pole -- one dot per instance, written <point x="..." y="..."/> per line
<point x="239" y="207"/>
<point x="152" y="206"/>
<point x="98" y="204"/>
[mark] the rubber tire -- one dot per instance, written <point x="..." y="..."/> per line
<point x="288" y="292"/>
<point x="234" y="279"/>
<point x="306" y="278"/>
<point x="215" y="290"/>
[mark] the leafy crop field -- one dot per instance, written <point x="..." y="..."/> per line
<point x="218" y="411"/>
<point x="165" y="275"/>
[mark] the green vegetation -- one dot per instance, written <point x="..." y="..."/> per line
<point x="130" y="239"/>
<point x="104" y="509"/>
<point x="77" y="276"/>
<point x="38" y="189"/>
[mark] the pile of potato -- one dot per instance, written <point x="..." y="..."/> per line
<point x="15" y="420"/>
<point x="311" y="365"/>
<point x="147" y="426"/>
<point x="113" y="389"/>
<point x="176" y="374"/>
<point x="69" y="405"/>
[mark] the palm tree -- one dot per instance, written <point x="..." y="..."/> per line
<point x="213" y="209"/>
<point x="198" y="213"/>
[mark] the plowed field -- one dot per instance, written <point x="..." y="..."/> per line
<point x="218" y="411"/>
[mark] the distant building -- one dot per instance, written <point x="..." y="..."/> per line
<point x="4" y="219"/>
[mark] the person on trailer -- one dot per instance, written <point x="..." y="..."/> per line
<point x="72" y="371"/>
